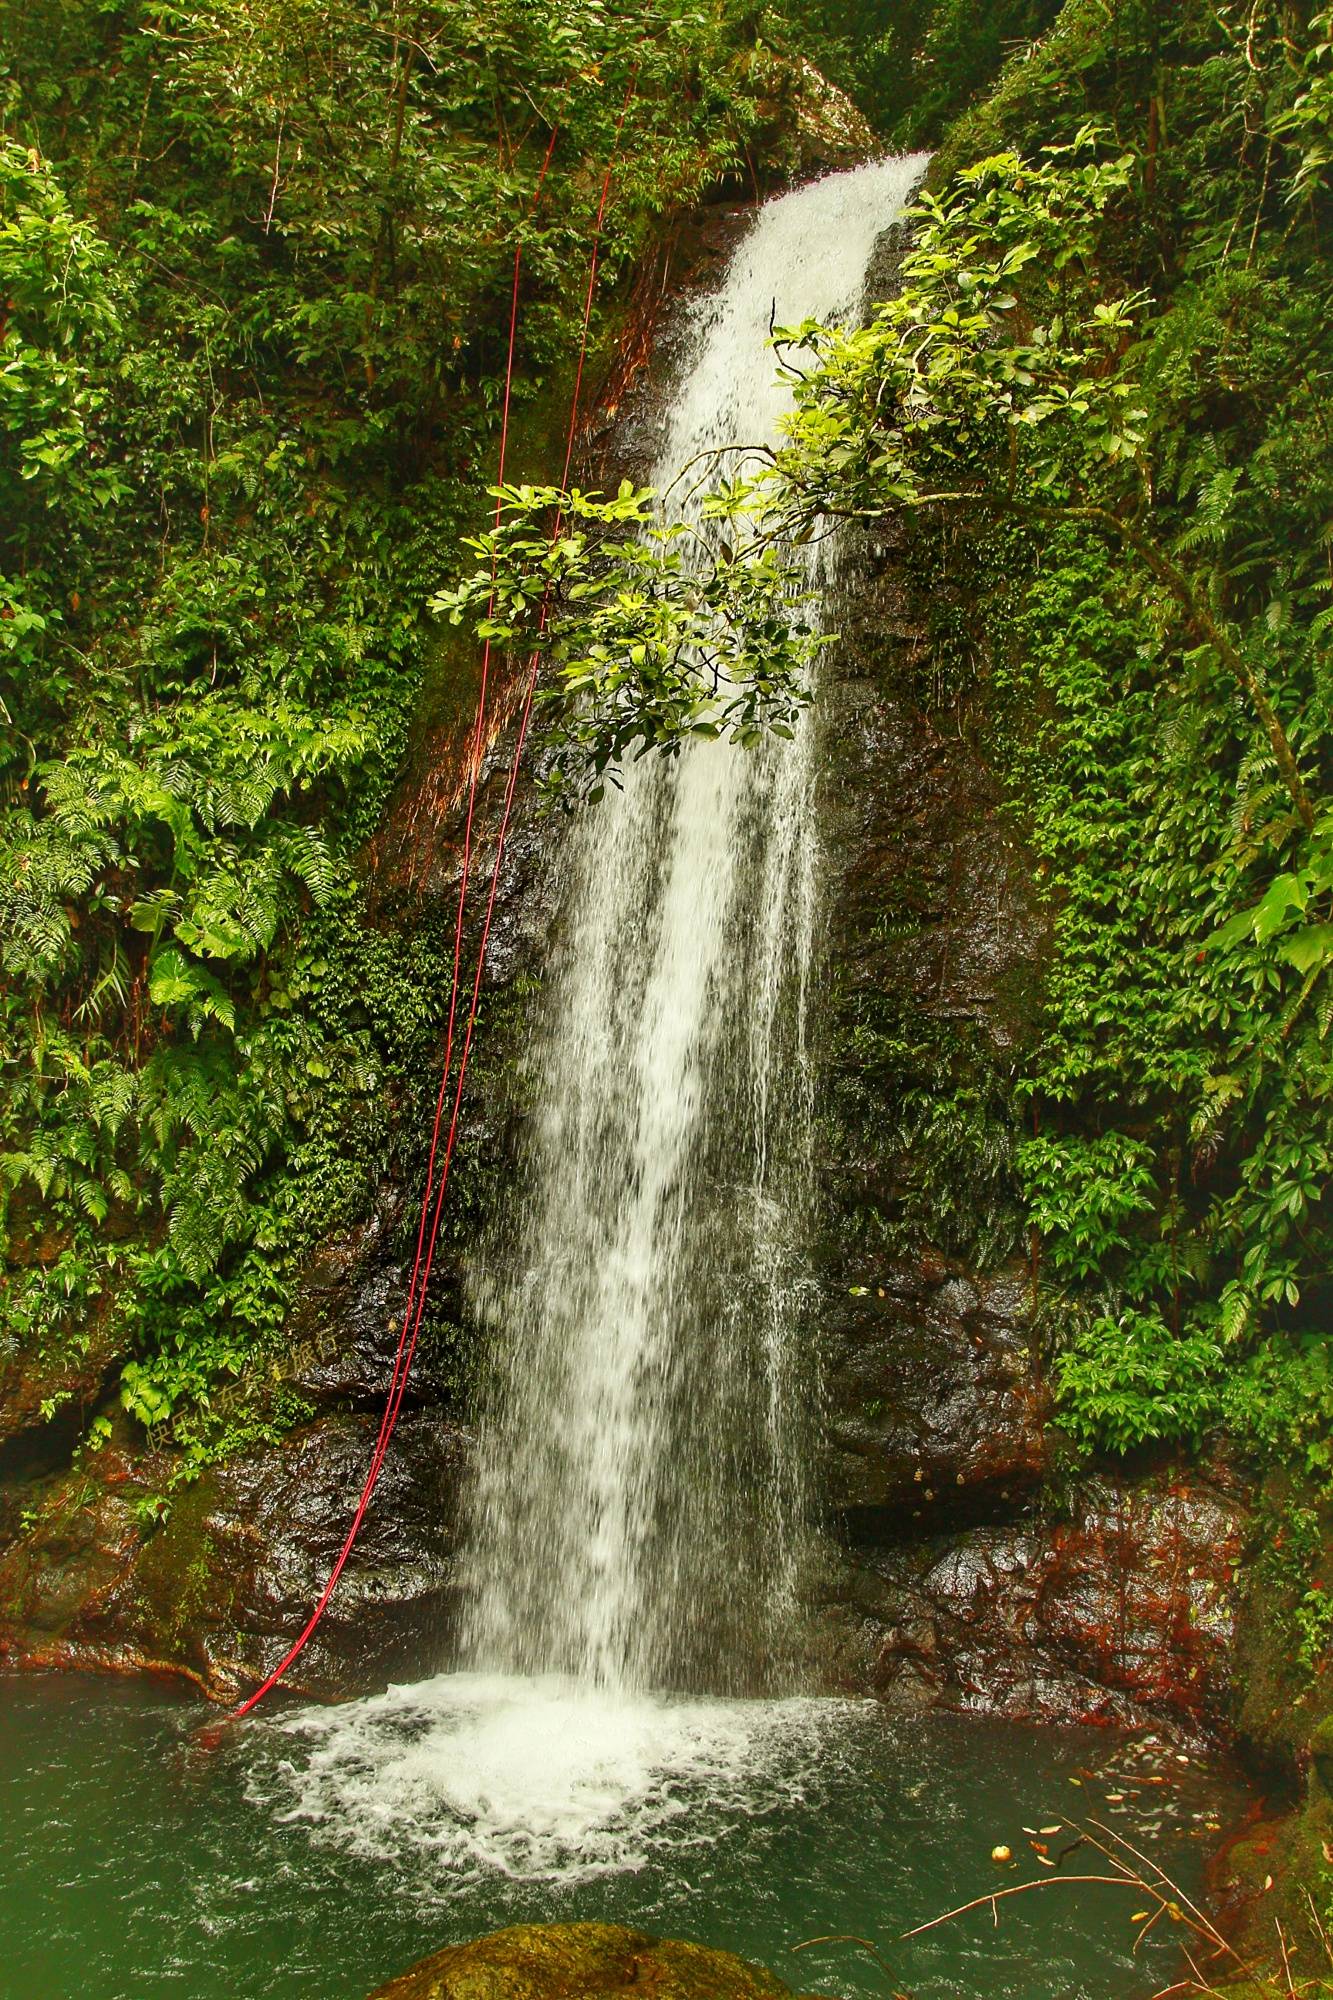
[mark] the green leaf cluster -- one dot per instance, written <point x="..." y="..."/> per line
<point x="652" y="631"/>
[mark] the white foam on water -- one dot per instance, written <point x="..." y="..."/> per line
<point x="535" y="1778"/>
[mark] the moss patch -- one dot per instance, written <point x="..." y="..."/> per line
<point x="581" y="1962"/>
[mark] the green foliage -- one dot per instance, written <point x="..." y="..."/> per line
<point x="656" y="631"/>
<point x="1084" y="1193"/>
<point x="1131" y="1380"/>
<point x="935" y="1114"/>
<point x="1279" y="1399"/>
<point x="1281" y="916"/>
<point x="1188" y="1005"/>
<point x="955" y="363"/>
<point x="255" y="261"/>
<point x="915" y="65"/>
<point x="1291" y="1555"/>
<point x="1108" y="356"/>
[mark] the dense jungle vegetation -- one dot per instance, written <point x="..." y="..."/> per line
<point x="1113" y="352"/>
<point x="254" y="262"/>
<point x="1112" y="356"/>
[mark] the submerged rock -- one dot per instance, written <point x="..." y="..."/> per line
<point x="580" y="1962"/>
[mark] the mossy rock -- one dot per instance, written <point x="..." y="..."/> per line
<point x="581" y="1962"/>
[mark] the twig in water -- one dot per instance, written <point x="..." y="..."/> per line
<point x="846" y="1937"/>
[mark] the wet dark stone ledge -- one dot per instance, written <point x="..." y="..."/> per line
<point x="1122" y="1612"/>
<point x="973" y="1572"/>
<point x="937" y="1404"/>
<point x="217" y="1592"/>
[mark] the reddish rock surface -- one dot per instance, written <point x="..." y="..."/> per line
<point x="38" y="1394"/>
<point x="218" y="1591"/>
<point x="1124" y="1612"/>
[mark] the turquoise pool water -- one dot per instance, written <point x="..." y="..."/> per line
<point x="313" y="1852"/>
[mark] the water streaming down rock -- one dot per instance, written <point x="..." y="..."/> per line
<point x="641" y="1482"/>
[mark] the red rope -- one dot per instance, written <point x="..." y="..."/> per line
<point x="425" y="1247"/>
<point x="510" y="789"/>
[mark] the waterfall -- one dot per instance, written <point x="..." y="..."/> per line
<point x="643" y="1459"/>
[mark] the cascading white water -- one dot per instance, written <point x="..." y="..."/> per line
<point x="641" y="1471"/>
<point x="641" y="1477"/>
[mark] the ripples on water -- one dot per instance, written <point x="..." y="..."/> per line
<point x="324" y="1849"/>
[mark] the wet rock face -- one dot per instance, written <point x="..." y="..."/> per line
<point x="1124" y="1613"/>
<point x="580" y="1962"/>
<point x="347" y="1329"/>
<point x="962" y="1584"/>
<point x="936" y="1402"/>
<point x="220" y="1590"/>
<point x="67" y="1386"/>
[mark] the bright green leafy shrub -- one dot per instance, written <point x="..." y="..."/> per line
<point x="1130" y="1380"/>
<point x="654" y="631"/>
